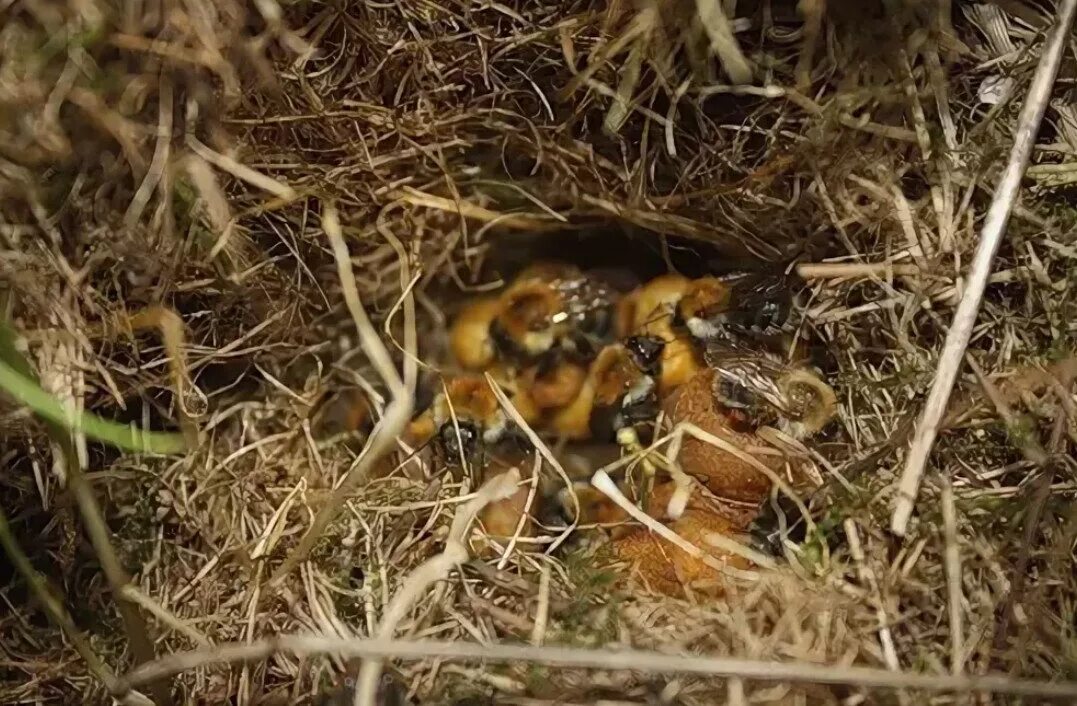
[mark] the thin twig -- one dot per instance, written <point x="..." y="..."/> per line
<point x="411" y="344"/>
<point x="434" y="569"/>
<point x="954" y="596"/>
<point x="830" y="270"/>
<point x="722" y="42"/>
<point x="602" y="481"/>
<point x="396" y="414"/>
<point x="761" y="670"/>
<point x="990" y="238"/>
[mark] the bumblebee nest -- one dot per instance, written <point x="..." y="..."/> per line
<point x="187" y="155"/>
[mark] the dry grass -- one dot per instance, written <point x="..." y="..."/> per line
<point x="183" y="154"/>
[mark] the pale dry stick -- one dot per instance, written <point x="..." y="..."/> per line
<point x="946" y="160"/>
<point x="435" y="569"/>
<point x="638" y="660"/>
<point x="813" y="11"/>
<point x="133" y="594"/>
<point x="735" y="692"/>
<point x="886" y="638"/>
<point x="532" y="491"/>
<point x="216" y="204"/>
<point x="546" y="208"/>
<point x="465" y="209"/>
<point x="411" y="339"/>
<point x="170" y="325"/>
<point x="952" y="562"/>
<point x="607" y="92"/>
<point x="994" y="228"/>
<point x="602" y="481"/>
<point x="903" y="212"/>
<point x="241" y="171"/>
<point x="517" y="622"/>
<point x="722" y="42"/>
<point x="397" y="412"/>
<point x="923" y="138"/>
<point x="832" y="214"/>
<point x="622" y="103"/>
<point x="542" y="612"/>
<point x="671" y="117"/>
<point x="465" y="463"/>
<point x="642" y="23"/>
<point x="159" y="160"/>
<point x="833" y="270"/>
<point x="891" y="132"/>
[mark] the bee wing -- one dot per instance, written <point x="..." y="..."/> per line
<point x="762" y="302"/>
<point x="750" y="377"/>
<point x="589" y="310"/>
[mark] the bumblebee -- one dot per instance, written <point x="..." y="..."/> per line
<point x="470" y="340"/>
<point x="651" y="300"/>
<point x="703" y="307"/>
<point x="743" y="305"/>
<point x="765" y="390"/>
<point x="552" y="384"/>
<point x="646" y="352"/>
<point x="680" y="356"/>
<point x="676" y="311"/>
<point x="462" y="419"/>
<point x="616" y="394"/>
<point x="554" y="308"/>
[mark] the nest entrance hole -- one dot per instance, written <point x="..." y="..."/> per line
<point x="628" y="255"/>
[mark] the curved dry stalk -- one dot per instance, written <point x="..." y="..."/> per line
<point x="393" y="421"/>
<point x="169" y="323"/>
<point x="641" y="660"/>
<point x="435" y="569"/>
<point x="532" y="491"/>
<point x="407" y="300"/>
<point x="722" y="42"/>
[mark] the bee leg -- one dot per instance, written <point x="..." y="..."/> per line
<point x="628" y="439"/>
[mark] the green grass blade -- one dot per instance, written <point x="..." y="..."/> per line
<point x="16" y="382"/>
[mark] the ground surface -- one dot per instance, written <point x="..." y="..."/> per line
<point x="188" y="154"/>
